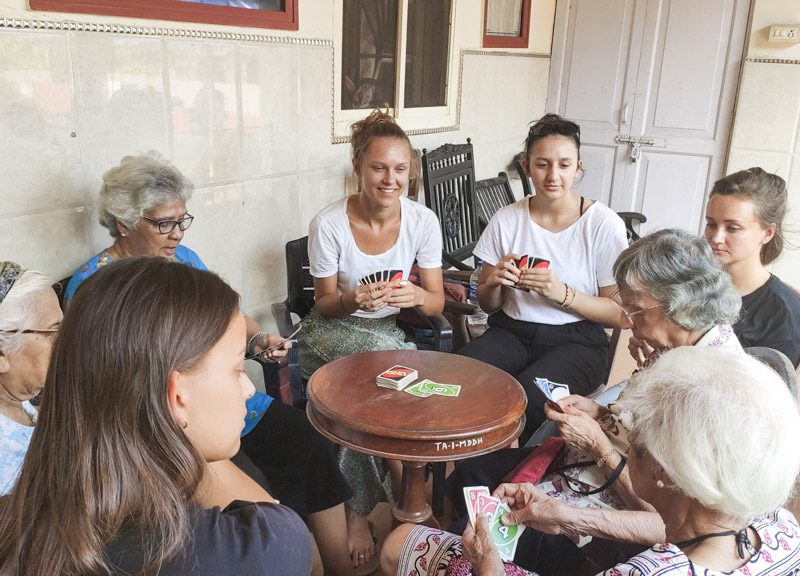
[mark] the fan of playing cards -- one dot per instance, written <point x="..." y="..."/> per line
<point x="524" y="262"/>
<point x="480" y="501"/>
<point x="381" y="276"/>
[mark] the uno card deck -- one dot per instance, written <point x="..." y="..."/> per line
<point x="552" y="390"/>
<point x="396" y="377"/>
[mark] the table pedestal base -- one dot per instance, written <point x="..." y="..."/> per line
<point x="412" y="506"/>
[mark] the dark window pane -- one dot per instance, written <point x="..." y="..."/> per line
<point x="369" y="33"/>
<point x="427" y="53"/>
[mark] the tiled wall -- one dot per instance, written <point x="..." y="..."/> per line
<point x="248" y="122"/>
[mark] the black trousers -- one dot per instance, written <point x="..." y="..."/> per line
<point x="298" y="463"/>
<point x="574" y="354"/>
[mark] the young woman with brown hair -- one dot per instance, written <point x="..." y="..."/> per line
<point x="376" y="230"/>
<point x="144" y="397"/>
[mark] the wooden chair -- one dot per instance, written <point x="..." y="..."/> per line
<point x="527" y="189"/>
<point x="300" y="301"/>
<point x="492" y="194"/>
<point x="60" y="288"/>
<point x="448" y="175"/>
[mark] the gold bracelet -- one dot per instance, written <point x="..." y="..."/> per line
<point x="604" y="458"/>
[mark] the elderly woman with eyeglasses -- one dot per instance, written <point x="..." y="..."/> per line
<point x="712" y="456"/>
<point x="143" y="205"/>
<point x="29" y="320"/>
<point x="673" y="292"/>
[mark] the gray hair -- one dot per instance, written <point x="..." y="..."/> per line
<point x="138" y="184"/>
<point x="680" y="271"/>
<point x="17" y="307"/>
<point x="721" y="424"/>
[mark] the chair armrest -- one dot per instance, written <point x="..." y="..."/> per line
<point x="464" y="308"/>
<point x="455" y="263"/>
<point x="442" y="333"/>
<point x="458" y="275"/>
<point x="283" y="318"/>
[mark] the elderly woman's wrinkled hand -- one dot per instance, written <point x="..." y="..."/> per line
<point x="480" y="550"/>
<point x="578" y="428"/>
<point x="584" y="404"/>
<point x="640" y="350"/>
<point x="533" y="508"/>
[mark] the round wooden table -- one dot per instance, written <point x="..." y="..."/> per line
<point x="346" y="405"/>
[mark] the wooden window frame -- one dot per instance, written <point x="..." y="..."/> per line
<point x="496" y="41"/>
<point x="286" y="19"/>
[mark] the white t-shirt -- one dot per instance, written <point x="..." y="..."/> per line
<point x="581" y="255"/>
<point x="333" y="250"/>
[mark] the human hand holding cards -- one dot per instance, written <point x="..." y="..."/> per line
<point x="525" y="264"/>
<point x="504" y="537"/>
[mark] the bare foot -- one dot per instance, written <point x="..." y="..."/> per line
<point x="359" y="539"/>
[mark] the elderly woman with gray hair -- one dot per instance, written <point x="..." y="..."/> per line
<point x="712" y="452"/>
<point x="29" y="320"/>
<point x="143" y="205"/>
<point x="673" y="292"/>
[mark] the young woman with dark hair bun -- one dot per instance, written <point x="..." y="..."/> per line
<point x="547" y="321"/>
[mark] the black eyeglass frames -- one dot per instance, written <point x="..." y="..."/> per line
<point x="167" y="226"/>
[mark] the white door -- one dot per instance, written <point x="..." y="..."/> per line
<point x="652" y="84"/>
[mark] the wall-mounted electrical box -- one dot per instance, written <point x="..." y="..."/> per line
<point x="785" y="33"/>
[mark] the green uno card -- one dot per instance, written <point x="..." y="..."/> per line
<point x="418" y="390"/>
<point x="440" y="389"/>
<point x="505" y="537"/>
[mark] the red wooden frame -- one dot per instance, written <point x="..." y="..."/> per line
<point x="494" y="41"/>
<point x="286" y="19"/>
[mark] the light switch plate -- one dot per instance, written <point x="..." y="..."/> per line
<point x="785" y="33"/>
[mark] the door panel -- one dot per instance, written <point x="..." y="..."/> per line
<point x="690" y="58"/>
<point x="600" y="34"/>
<point x="598" y="172"/>
<point x="675" y="65"/>
<point x="672" y="188"/>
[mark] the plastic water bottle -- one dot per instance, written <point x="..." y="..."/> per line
<point x="480" y="316"/>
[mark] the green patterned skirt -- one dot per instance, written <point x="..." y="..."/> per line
<point x="326" y="339"/>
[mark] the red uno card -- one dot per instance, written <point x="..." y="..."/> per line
<point x="540" y="263"/>
<point x="471" y="496"/>
<point x="487" y="505"/>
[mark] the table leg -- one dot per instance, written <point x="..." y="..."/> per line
<point x="412" y="506"/>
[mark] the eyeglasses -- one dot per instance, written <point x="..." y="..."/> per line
<point x="47" y="331"/>
<point x="630" y="315"/>
<point x="167" y="226"/>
